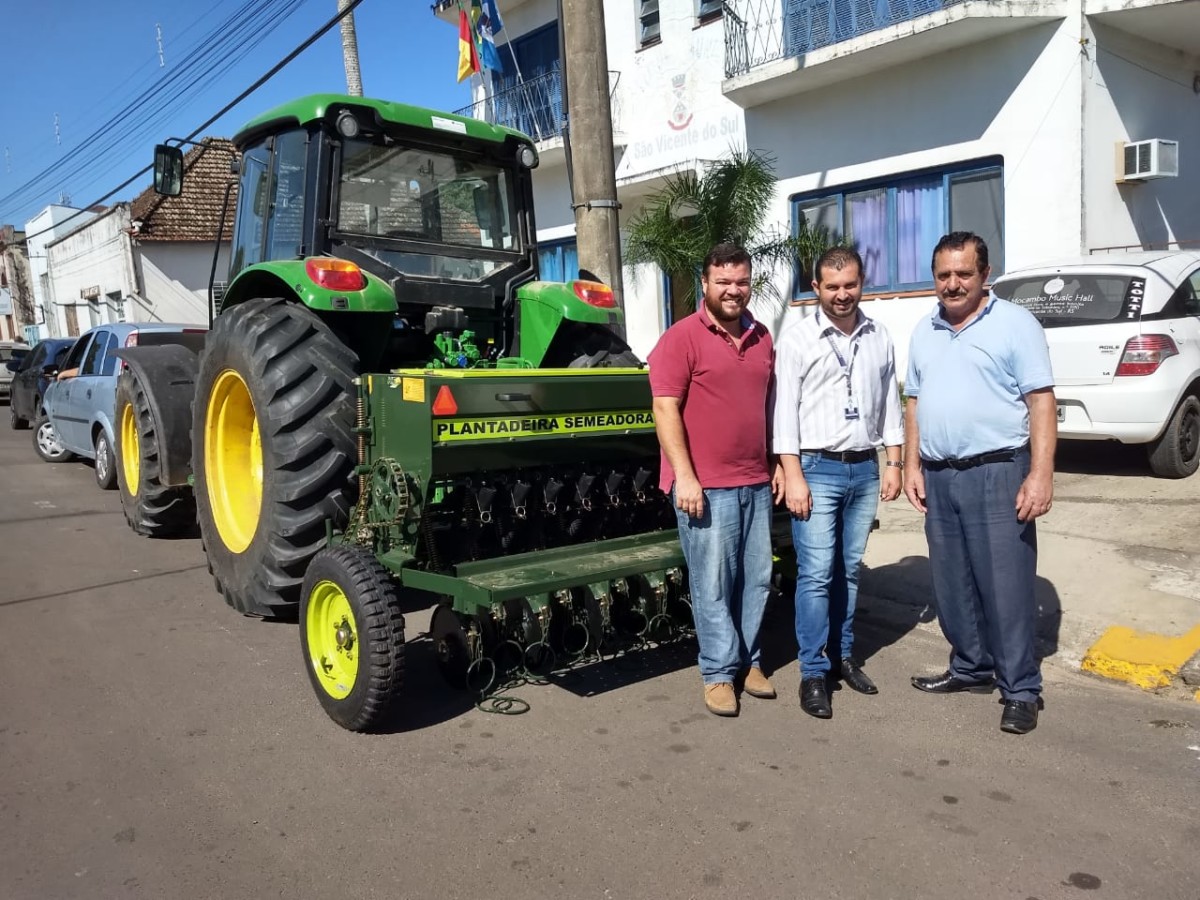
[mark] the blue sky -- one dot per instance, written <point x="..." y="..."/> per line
<point x="88" y="61"/>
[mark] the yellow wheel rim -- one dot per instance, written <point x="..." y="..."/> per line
<point x="131" y="450"/>
<point x="332" y="639"/>
<point x="233" y="466"/>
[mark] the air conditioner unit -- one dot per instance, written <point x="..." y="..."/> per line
<point x="1144" y="160"/>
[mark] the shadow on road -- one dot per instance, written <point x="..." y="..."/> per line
<point x="1101" y="458"/>
<point x="897" y="597"/>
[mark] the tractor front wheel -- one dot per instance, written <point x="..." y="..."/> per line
<point x="352" y="637"/>
<point x="273" y="449"/>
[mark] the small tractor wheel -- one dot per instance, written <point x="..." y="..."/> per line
<point x="151" y="508"/>
<point x="450" y="646"/>
<point x="272" y="449"/>
<point x="352" y="637"/>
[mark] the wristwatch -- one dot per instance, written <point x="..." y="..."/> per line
<point x="893" y="464"/>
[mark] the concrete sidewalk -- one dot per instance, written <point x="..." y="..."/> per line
<point x="1118" y="571"/>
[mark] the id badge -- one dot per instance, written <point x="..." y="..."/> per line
<point x="851" y="412"/>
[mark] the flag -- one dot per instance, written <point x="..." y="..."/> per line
<point x="483" y="15"/>
<point x="468" y="58"/>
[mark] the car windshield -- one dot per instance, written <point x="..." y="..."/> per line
<point x="1075" y="298"/>
<point x="420" y="195"/>
<point x="7" y="353"/>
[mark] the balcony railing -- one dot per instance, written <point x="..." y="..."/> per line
<point x="534" y="105"/>
<point x="762" y="31"/>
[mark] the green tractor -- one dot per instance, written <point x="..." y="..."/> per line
<point x="389" y="397"/>
<point x="367" y="236"/>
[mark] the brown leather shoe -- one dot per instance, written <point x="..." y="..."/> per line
<point x="720" y="699"/>
<point x="757" y="685"/>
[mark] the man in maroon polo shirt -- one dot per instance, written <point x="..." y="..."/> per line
<point x="711" y="377"/>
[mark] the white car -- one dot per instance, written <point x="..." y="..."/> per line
<point x="1124" y="336"/>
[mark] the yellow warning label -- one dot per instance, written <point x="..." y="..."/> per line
<point x="413" y="390"/>
<point x="485" y="428"/>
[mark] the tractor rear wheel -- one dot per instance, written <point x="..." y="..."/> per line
<point x="151" y="507"/>
<point x="352" y="637"/>
<point x="273" y="449"/>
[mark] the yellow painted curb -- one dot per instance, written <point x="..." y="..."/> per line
<point x="1138" y="657"/>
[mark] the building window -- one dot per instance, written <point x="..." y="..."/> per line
<point x="648" y="31"/>
<point x="116" y="304"/>
<point x="895" y="223"/>
<point x="708" y="11"/>
<point x="558" y="260"/>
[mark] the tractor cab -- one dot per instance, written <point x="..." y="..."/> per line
<point x="421" y="220"/>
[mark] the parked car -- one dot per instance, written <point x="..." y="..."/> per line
<point x="78" y="406"/>
<point x="10" y="352"/>
<point x="1124" y="336"/>
<point x="29" y="382"/>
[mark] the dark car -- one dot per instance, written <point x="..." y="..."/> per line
<point x="29" y="381"/>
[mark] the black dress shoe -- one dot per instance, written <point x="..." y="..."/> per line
<point x="948" y="683"/>
<point x="854" y="676"/>
<point x="813" y="698"/>
<point x="1020" y="716"/>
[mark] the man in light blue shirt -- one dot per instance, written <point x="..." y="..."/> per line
<point x="980" y="432"/>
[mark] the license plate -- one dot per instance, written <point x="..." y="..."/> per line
<point x="1062" y="414"/>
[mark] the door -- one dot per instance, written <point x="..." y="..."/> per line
<point x="93" y="395"/>
<point x="61" y="404"/>
<point x="25" y="382"/>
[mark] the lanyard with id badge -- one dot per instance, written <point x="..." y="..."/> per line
<point x="851" y="408"/>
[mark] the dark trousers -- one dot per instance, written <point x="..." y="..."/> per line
<point x="984" y="565"/>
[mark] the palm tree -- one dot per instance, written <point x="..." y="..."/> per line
<point x="729" y="202"/>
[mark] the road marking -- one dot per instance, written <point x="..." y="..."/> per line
<point x="1139" y="657"/>
<point x="44" y="504"/>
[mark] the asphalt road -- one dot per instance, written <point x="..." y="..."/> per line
<point x="153" y="743"/>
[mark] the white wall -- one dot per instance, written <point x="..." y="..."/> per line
<point x="94" y="256"/>
<point x="1136" y="90"/>
<point x="174" y="279"/>
<point x="45" y="227"/>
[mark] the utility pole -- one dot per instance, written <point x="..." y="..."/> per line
<point x="350" y="51"/>
<point x="590" y="135"/>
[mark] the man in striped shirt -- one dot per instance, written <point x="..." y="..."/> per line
<point x="836" y="402"/>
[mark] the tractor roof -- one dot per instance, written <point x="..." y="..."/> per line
<point x="314" y="107"/>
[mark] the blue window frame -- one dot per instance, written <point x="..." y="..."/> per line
<point x="558" y="260"/>
<point x="895" y="222"/>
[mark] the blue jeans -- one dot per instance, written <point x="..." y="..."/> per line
<point x="829" y="549"/>
<point x="728" y="553"/>
<point x="984" y="567"/>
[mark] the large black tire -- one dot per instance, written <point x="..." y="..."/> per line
<point x="352" y="637"/>
<point x="1176" y="454"/>
<point x="151" y="507"/>
<point x="46" y="443"/>
<point x="274" y="410"/>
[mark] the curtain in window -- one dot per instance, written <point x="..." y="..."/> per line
<point x="919" y="208"/>
<point x="866" y="229"/>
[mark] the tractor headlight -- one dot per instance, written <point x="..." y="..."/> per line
<point x="347" y="125"/>
<point x="527" y="157"/>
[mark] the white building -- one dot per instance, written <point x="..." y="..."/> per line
<point x="47" y="226"/>
<point x="148" y="260"/>
<point x="891" y="122"/>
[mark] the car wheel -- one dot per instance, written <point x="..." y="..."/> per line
<point x="1177" y="453"/>
<point x="106" y="470"/>
<point x="47" y="444"/>
<point x="14" y="420"/>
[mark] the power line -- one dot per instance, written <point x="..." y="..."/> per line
<point x="267" y="76"/>
<point x="249" y="24"/>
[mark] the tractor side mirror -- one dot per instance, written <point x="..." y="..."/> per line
<point x="168" y="170"/>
